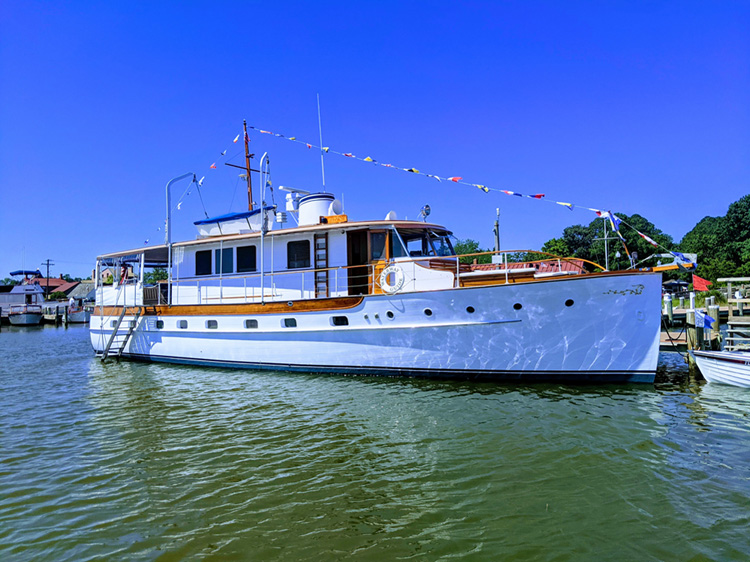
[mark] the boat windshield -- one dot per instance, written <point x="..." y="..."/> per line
<point x="424" y="242"/>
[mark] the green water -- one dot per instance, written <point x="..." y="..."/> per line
<point x="127" y="461"/>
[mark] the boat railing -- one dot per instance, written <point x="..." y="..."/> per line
<point x="500" y="262"/>
<point x="238" y="288"/>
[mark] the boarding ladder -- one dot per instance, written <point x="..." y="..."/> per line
<point x="117" y="341"/>
<point x="321" y="265"/>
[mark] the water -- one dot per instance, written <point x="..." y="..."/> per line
<point x="127" y="461"/>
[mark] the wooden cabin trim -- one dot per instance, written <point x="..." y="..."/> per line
<point x="276" y="307"/>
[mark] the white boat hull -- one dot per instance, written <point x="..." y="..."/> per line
<point x="25" y="319"/>
<point x="608" y="331"/>
<point x="724" y="367"/>
<point x="79" y="317"/>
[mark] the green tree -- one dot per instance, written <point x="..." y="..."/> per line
<point x="722" y="243"/>
<point x="9" y="281"/>
<point x="57" y="296"/>
<point x="469" y="246"/>
<point x="156" y="275"/>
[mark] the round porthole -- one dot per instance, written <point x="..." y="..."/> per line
<point x="290" y="303"/>
<point x="389" y="314"/>
<point x="470" y="309"/>
<point x="518" y="306"/>
<point x="428" y="312"/>
<point x="569" y="302"/>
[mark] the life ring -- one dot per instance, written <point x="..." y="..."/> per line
<point x="398" y="279"/>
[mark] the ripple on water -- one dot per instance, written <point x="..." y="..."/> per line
<point x="133" y="461"/>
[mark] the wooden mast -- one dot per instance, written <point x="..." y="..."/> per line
<point x="250" y="203"/>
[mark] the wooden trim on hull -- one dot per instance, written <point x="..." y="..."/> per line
<point x="615" y="377"/>
<point x="276" y="307"/>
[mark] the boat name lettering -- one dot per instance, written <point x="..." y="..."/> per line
<point x="636" y="290"/>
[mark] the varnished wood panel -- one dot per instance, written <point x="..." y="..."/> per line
<point x="339" y="303"/>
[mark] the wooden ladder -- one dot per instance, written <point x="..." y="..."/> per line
<point x="120" y="344"/>
<point x="321" y="263"/>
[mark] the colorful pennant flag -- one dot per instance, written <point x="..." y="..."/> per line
<point x="700" y="284"/>
<point x="648" y="239"/>
<point x="213" y="166"/>
<point x="456" y="179"/>
<point x="236" y="139"/>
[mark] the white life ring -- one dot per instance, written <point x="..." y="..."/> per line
<point x="398" y="279"/>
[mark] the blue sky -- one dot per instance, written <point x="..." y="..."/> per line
<point x="639" y="107"/>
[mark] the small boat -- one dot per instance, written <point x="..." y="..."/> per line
<point x="724" y="367"/>
<point x="25" y="315"/>
<point x="78" y="314"/>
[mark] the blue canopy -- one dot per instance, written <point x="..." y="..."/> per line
<point x="26" y="272"/>
<point x="231" y="216"/>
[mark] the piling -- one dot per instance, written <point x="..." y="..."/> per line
<point x="670" y="312"/>
<point x="715" y="337"/>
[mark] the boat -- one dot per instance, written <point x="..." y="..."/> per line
<point x="77" y="312"/>
<point x="724" y="367"/>
<point x="28" y="292"/>
<point x="372" y="297"/>
<point x="25" y="315"/>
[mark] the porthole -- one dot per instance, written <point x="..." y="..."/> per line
<point x="251" y="324"/>
<point x="159" y="324"/>
<point x="428" y="312"/>
<point x="212" y="324"/>
<point x="339" y="320"/>
<point x="290" y="303"/>
<point x="518" y="306"/>
<point x="470" y="309"/>
<point x="569" y="302"/>
<point x="290" y="323"/>
<point x="113" y="323"/>
<point x="182" y="324"/>
<point x="389" y="314"/>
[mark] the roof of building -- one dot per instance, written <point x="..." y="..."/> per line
<point x="67" y="287"/>
<point x="84" y="290"/>
<point x="51" y="282"/>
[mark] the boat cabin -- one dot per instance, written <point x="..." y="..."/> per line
<point x="233" y="260"/>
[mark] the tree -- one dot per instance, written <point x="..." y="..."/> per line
<point x="722" y="243"/>
<point x="556" y="246"/>
<point x="9" y="281"/>
<point x="586" y="241"/>
<point x="155" y="275"/>
<point x="57" y="296"/>
<point x="469" y="246"/>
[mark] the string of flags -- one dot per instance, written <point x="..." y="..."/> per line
<point x="614" y="220"/>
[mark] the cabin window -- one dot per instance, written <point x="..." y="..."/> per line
<point x="251" y="324"/>
<point x="182" y="324"/>
<point x="224" y="261"/>
<point x="246" y="259"/>
<point x="426" y="243"/>
<point x="298" y="254"/>
<point x="159" y="324"/>
<point x="377" y="245"/>
<point x="203" y="262"/>
<point x="395" y="246"/>
<point x="290" y="322"/>
<point x="339" y="320"/>
<point x="212" y="324"/>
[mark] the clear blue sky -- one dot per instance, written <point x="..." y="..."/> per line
<point x="640" y="107"/>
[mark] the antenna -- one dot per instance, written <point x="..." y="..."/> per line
<point x="322" y="150"/>
<point x="250" y="203"/>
